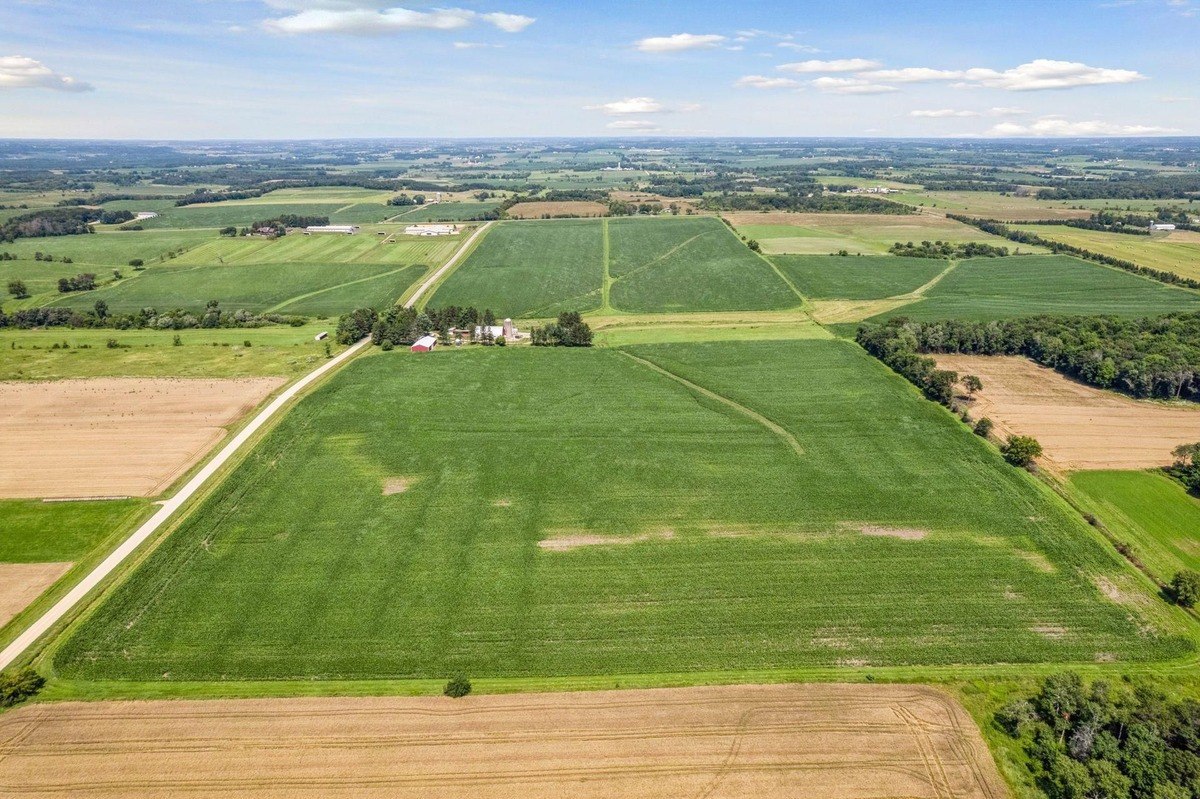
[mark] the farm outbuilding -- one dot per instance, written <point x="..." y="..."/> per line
<point x="348" y="230"/>
<point x="424" y="344"/>
<point x="1161" y="226"/>
<point x="431" y="230"/>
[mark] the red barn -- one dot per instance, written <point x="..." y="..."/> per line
<point x="424" y="344"/>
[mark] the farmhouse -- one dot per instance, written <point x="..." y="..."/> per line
<point x="424" y="344"/>
<point x="1161" y="226"/>
<point x="431" y="230"/>
<point x="348" y="230"/>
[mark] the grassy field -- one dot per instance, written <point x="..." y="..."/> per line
<point x="1150" y="511"/>
<point x="107" y="249"/>
<point x="442" y="212"/>
<point x="859" y="234"/>
<point x="1177" y="252"/>
<point x="32" y="531"/>
<point x="538" y="268"/>
<point x="275" y="350"/>
<point x="996" y="288"/>
<point x="857" y="278"/>
<point x="601" y="517"/>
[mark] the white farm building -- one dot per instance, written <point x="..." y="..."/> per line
<point x="348" y="230"/>
<point x="431" y="230"/>
<point x="1161" y="226"/>
<point x="140" y="215"/>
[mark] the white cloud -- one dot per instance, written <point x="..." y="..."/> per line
<point x="632" y="124"/>
<point x="913" y="75"/>
<point x="801" y="48"/>
<point x="942" y="113"/>
<point x="630" y="105"/>
<point x="475" y="45"/>
<point x="851" y="86"/>
<point x="678" y="42"/>
<point x="1057" y="126"/>
<point x="836" y="65"/>
<point x="347" y="18"/>
<point x="20" y="72"/>
<point x="763" y="82"/>
<point x="1044" y="73"/>
<point x="1007" y="111"/>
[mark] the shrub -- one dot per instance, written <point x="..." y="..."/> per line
<point x="386" y="345"/>
<point x="1015" y="716"/>
<point x="177" y="341"/>
<point x="457" y="687"/>
<point x="983" y="428"/>
<point x="19" y="686"/>
<point x="113" y="344"/>
<point x="1185" y="588"/>
<point x="136" y="262"/>
<point x="1021" y="450"/>
<point x="247" y="343"/>
<point x="499" y="341"/>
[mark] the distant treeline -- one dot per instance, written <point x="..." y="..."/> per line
<point x="281" y="223"/>
<point x="1149" y="357"/>
<point x="946" y="249"/>
<point x="1129" y="224"/>
<point x="1158" y="187"/>
<point x="819" y="203"/>
<point x="49" y="222"/>
<point x="100" y="199"/>
<point x="147" y="318"/>
<point x="250" y="191"/>
<point x="1057" y="247"/>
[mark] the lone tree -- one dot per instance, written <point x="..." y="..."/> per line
<point x="983" y="428"/>
<point x="1185" y="588"/>
<point x="1021" y="450"/>
<point x="972" y="384"/>
<point x="457" y="688"/>
<point x="17" y="289"/>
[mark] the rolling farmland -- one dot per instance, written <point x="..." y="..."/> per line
<point x="857" y="278"/>
<point x="785" y="233"/>
<point x="844" y="522"/>
<point x="1177" y="252"/>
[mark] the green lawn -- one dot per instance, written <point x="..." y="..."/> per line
<point x="998" y="288"/>
<point x="857" y="278"/>
<point x="1150" y="511"/>
<point x="538" y="268"/>
<point x="32" y="531"/>
<point x="722" y="547"/>
<point x="274" y="350"/>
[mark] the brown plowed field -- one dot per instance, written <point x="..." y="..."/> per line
<point x="114" y="436"/>
<point x="20" y="584"/>
<point x="1078" y="426"/>
<point x="795" y="741"/>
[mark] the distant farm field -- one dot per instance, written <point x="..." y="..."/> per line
<point x="783" y="233"/>
<point x="442" y="212"/>
<point x="1177" y="252"/>
<point x="531" y="269"/>
<point x="858" y="278"/>
<point x="998" y="288"/>
<point x="546" y="210"/>
<point x="1151" y="512"/>
<point x="764" y="505"/>
<point x="994" y="204"/>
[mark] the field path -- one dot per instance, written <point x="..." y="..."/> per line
<point x="168" y="507"/>
<point x="279" y="306"/>
<point x="447" y="267"/>
<point x="742" y="409"/>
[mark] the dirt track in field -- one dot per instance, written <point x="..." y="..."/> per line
<point x="1078" y="426"/>
<point x="114" y="436"/>
<point x="21" y="583"/>
<point x="795" y="741"/>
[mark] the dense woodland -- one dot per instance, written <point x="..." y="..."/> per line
<point x="146" y="318"/>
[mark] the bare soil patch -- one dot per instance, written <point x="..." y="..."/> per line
<point x="114" y="436"/>
<point x="396" y="485"/>
<point x="566" y="541"/>
<point x="1079" y="427"/>
<point x="795" y="741"/>
<point x="21" y="583"/>
<point x="903" y="533"/>
<point x="572" y="207"/>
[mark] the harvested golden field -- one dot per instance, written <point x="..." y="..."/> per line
<point x="20" y="584"/>
<point x="114" y="436"/>
<point x="564" y="208"/>
<point x="1079" y="427"/>
<point x="794" y="741"/>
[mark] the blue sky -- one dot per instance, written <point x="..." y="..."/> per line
<point x="381" y="68"/>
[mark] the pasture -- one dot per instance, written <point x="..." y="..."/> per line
<point x="764" y="505"/>
<point x="1177" y="252"/>
<point x="791" y="741"/>
<point x="538" y="268"/>
<point x="1150" y="511"/>
<point x="442" y="212"/>
<point x="785" y="233"/>
<point x="857" y="278"/>
<point x="998" y="288"/>
<point x="995" y="205"/>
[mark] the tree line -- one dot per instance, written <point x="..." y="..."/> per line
<point x="145" y="319"/>
<point x="818" y="203"/>
<point x="946" y="249"/>
<point x="1128" y="223"/>
<point x="997" y="228"/>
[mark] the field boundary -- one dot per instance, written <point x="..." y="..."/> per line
<point x="742" y="409"/>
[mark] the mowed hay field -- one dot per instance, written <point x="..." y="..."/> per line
<point x="547" y="210"/>
<point x="1177" y="252"/>
<point x="532" y="269"/>
<point x="601" y="517"/>
<point x="114" y="436"/>
<point x="1150" y="511"/>
<point x="858" y="278"/>
<point x="297" y="274"/>
<point x="773" y="742"/>
<point x="981" y="289"/>
<point x="786" y="233"/>
<point x="1079" y="426"/>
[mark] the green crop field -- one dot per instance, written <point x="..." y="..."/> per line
<point x="441" y="212"/>
<point x="220" y="352"/>
<point x="822" y="513"/>
<point x="103" y="250"/>
<point x="997" y="288"/>
<point x="859" y="234"/>
<point x="857" y="278"/>
<point x="1175" y="252"/>
<point x="1150" y="511"/>
<point x="538" y="268"/>
<point x="32" y="531"/>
